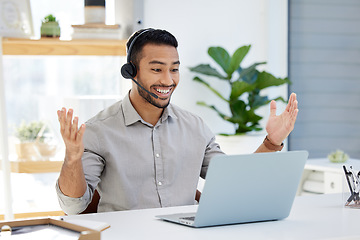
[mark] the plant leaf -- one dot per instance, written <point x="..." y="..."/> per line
<point x="245" y="120"/>
<point x="249" y="74"/>
<point x="254" y="118"/>
<point x="206" y="69"/>
<point x="279" y="98"/>
<point x="238" y="88"/>
<point x="197" y="79"/>
<point x="223" y="116"/>
<point x="222" y="57"/>
<point x="251" y="124"/>
<point x="238" y="110"/>
<point x="266" y="79"/>
<point x="237" y="58"/>
<point x="258" y="101"/>
<point x="244" y="129"/>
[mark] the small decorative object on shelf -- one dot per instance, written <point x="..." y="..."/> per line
<point x="35" y="142"/>
<point x="338" y="157"/>
<point x="94" y="11"/>
<point x="16" y="19"/>
<point x="96" y="31"/>
<point x="50" y="27"/>
<point x="94" y="26"/>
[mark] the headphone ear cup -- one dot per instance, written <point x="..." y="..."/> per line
<point x="128" y="70"/>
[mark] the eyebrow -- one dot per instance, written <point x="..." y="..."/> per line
<point x="162" y="63"/>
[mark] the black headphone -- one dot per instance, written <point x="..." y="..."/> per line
<point x="128" y="70"/>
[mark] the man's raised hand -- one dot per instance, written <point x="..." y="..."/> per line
<point x="71" y="134"/>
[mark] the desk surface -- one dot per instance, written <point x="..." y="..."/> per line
<point x="312" y="217"/>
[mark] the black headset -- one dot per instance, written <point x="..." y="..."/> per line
<point x="128" y="70"/>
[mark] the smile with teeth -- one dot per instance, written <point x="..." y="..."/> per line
<point x="162" y="91"/>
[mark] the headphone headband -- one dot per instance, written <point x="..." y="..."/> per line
<point x="128" y="70"/>
<point x="133" y="42"/>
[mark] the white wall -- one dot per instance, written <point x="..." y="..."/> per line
<point x="203" y="23"/>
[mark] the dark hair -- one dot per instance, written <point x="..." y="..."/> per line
<point x="149" y="35"/>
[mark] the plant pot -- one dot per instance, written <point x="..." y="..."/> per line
<point x="27" y="151"/>
<point x="50" y="29"/>
<point x="46" y="150"/>
<point x="35" y="151"/>
<point x="240" y="144"/>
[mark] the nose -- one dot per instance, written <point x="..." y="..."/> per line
<point x="167" y="78"/>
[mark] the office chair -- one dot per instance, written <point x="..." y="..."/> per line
<point x="93" y="205"/>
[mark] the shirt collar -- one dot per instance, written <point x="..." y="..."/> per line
<point x="168" y="112"/>
<point x="131" y="116"/>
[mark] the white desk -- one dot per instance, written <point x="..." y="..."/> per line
<point x="312" y="217"/>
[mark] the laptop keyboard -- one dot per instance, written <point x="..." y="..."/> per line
<point x="189" y="218"/>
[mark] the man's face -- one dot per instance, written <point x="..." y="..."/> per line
<point x="158" y="72"/>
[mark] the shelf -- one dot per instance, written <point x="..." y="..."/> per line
<point x="103" y="47"/>
<point x="35" y="215"/>
<point x="35" y="166"/>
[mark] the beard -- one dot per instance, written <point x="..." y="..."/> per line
<point x="150" y="99"/>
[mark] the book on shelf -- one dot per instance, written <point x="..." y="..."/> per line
<point x="96" y="31"/>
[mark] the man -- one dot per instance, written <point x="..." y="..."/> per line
<point x="144" y="152"/>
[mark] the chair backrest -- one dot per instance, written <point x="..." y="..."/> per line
<point x="92" y="207"/>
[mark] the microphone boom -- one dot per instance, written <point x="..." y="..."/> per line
<point x="152" y="94"/>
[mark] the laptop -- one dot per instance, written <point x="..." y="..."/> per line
<point x="246" y="188"/>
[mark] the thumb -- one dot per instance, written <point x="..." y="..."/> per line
<point x="272" y="108"/>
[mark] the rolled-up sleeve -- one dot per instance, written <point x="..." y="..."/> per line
<point x="212" y="150"/>
<point x="71" y="205"/>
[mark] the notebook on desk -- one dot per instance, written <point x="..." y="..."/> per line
<point x="246" y="188"/>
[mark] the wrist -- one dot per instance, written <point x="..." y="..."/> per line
<point x="71" y="160"/>
<point x="272" y="146"/>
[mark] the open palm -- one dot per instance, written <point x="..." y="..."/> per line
<point x="279" y="127"/>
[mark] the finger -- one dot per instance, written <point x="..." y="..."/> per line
<point x="293" y="107"/>
<point x="80" y="133"/>
<point x="68" y="123"/>
<point x="292" y="98"/>
<point x="272" y="108"/>
<point x="295" y="114"/>
<point x="74" y="128"/>
<point x="61" y="119"/>
<point x="60" y="114"/>
<point x="293" y="117"/>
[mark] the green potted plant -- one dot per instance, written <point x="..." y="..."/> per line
<point x="246" y="84"/>
<point x="50" y="27"/>
<point x="33" y="143"/>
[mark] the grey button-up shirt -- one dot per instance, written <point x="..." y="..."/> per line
<point x="136" y="165"/>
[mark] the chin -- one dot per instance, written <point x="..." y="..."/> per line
<point x="162" y="104"/>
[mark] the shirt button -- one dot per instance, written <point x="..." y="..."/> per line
<point x="159" y="183"/>
<point x="157" y="155"/>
